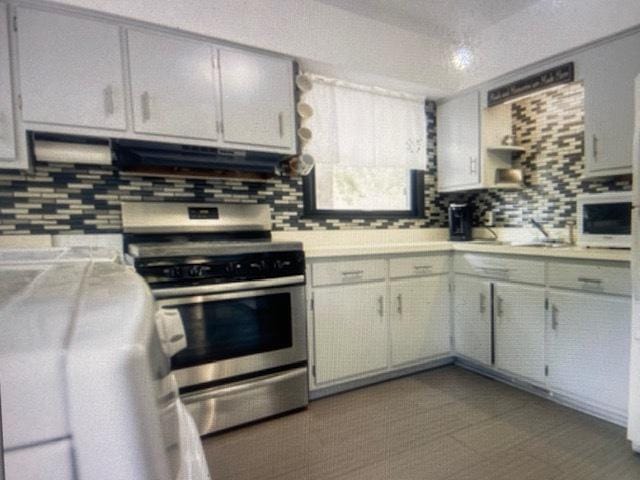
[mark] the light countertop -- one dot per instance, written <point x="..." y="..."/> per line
<point x="322" y="251"/>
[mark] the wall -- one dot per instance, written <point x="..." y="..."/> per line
<point x="62" y="199"/>
<point x="550" y="125"/>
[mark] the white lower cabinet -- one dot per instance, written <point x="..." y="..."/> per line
<point x="350" y="330"/>
<point x="472" y="318"/>
<point x="419" y="319"/>
<point x="519" y="312"/>
<point x="588" y="343"/>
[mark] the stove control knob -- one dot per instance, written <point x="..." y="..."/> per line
<point x="256" y="266"/>
<point x="195" y="271"/>
<point x="172" y="272"/>
<point x="282" y="264"/>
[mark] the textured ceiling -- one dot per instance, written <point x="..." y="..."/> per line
<point x="452" y="20"/>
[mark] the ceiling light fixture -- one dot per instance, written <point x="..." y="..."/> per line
<point x="462" y="57"/>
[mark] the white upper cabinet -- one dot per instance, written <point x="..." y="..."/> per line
<point x="173" y="86"/>
<point x="257" y="99"/>
<point x="70" y="70"/>
<point x="7" y="133"/>
<point x="609" y="74"/>
<point x="472" y="318"/>
<point x="459" y="143"/>
<point x="519" y="330"/>
<point x="419" y="318"/>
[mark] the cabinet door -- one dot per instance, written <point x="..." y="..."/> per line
<point x="472" y="318"/>
<point x="257" y="99"/>
<point x="172" y="86"/>
<point x="459" y="143"/>
<point x="7" y="133"/>
<point x="519" y="330"/>
<point x="70" y="71"/>
<point x="419" y="319"/>
<point x="350" y="330"/>
<point x="609" y="74"/>
<point x="588" y="346"/>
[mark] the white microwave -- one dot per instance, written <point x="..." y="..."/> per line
<point x="604" y="220"/>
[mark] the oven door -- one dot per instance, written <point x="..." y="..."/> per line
<point x="238" y="333"/>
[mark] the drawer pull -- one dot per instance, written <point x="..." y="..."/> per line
<point x="352" y="273"/>
<point x="495" y="270"/>
<point x="400" y="303"/>
<point x="381" y="306"/>
<point x="595" y="281"/>
<point x="422" y="268"/>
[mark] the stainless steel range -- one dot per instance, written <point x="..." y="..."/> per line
<point x="241" y="298"/>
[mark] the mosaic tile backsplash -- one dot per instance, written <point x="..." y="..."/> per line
<point x="550" y="126"/>
<point x="79" y="198"/>
<point x="60" y="198"/>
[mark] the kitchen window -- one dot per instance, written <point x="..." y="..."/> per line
<point x="369" y="146"/>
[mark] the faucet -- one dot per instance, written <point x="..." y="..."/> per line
<point x="491" y="231"/>
<point x="541" y="228"/>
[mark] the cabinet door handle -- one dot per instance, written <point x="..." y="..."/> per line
<point x="349" y="273"/>
<point x="470" y="164"/>
<point x="554" y="317"/>
<point x="107" y="95"/>
<point x="381" y="306"/>
<point x="422" y="268"/>
<point x="483" y="303"/>
<point x="499" y="311"/>
<point x="145" y="102"/>
<point x="281" y="124"/>
<point x="594" y="145"/>
<point x="400" y="303"/>
<point x="595" y="281"/>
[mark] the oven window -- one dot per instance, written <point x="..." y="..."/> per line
<point x="234" y="328"/>
<point x="607" y="219"/>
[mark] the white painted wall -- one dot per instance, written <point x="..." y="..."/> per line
<point x="327" y="39"/>
<point x="545" y="29"/>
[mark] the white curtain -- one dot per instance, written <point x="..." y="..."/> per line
<point x="354" y="126"/>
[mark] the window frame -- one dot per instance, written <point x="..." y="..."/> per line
<point x="416" y="191"/>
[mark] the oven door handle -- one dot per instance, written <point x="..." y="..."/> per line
<point x="228" y="287"/>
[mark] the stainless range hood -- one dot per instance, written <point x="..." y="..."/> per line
<point x="155" y="158"/>
<point x="133" y="155"/>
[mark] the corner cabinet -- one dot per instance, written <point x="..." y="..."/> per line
<point x="370" y="316"/>
<point x="472" y="318"/>
<point x="70" y="71"/>
<point x="458" y="123"/>
<point x="419" y="319"/>
<point x="609" y="74"/>
<point x="7" y="132"/>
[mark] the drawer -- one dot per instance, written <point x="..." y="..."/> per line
<point x="349" y="271"/>
<point x="418" y="266"/>
<point x="503" y="268"/>
<point x="591" y="277"/>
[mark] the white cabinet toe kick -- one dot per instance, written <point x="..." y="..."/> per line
<point x="558" y="328"/>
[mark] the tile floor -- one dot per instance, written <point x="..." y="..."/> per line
<point x="445" y="424"/>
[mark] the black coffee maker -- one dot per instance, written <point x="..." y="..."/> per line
<point x="460" y="222"/>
